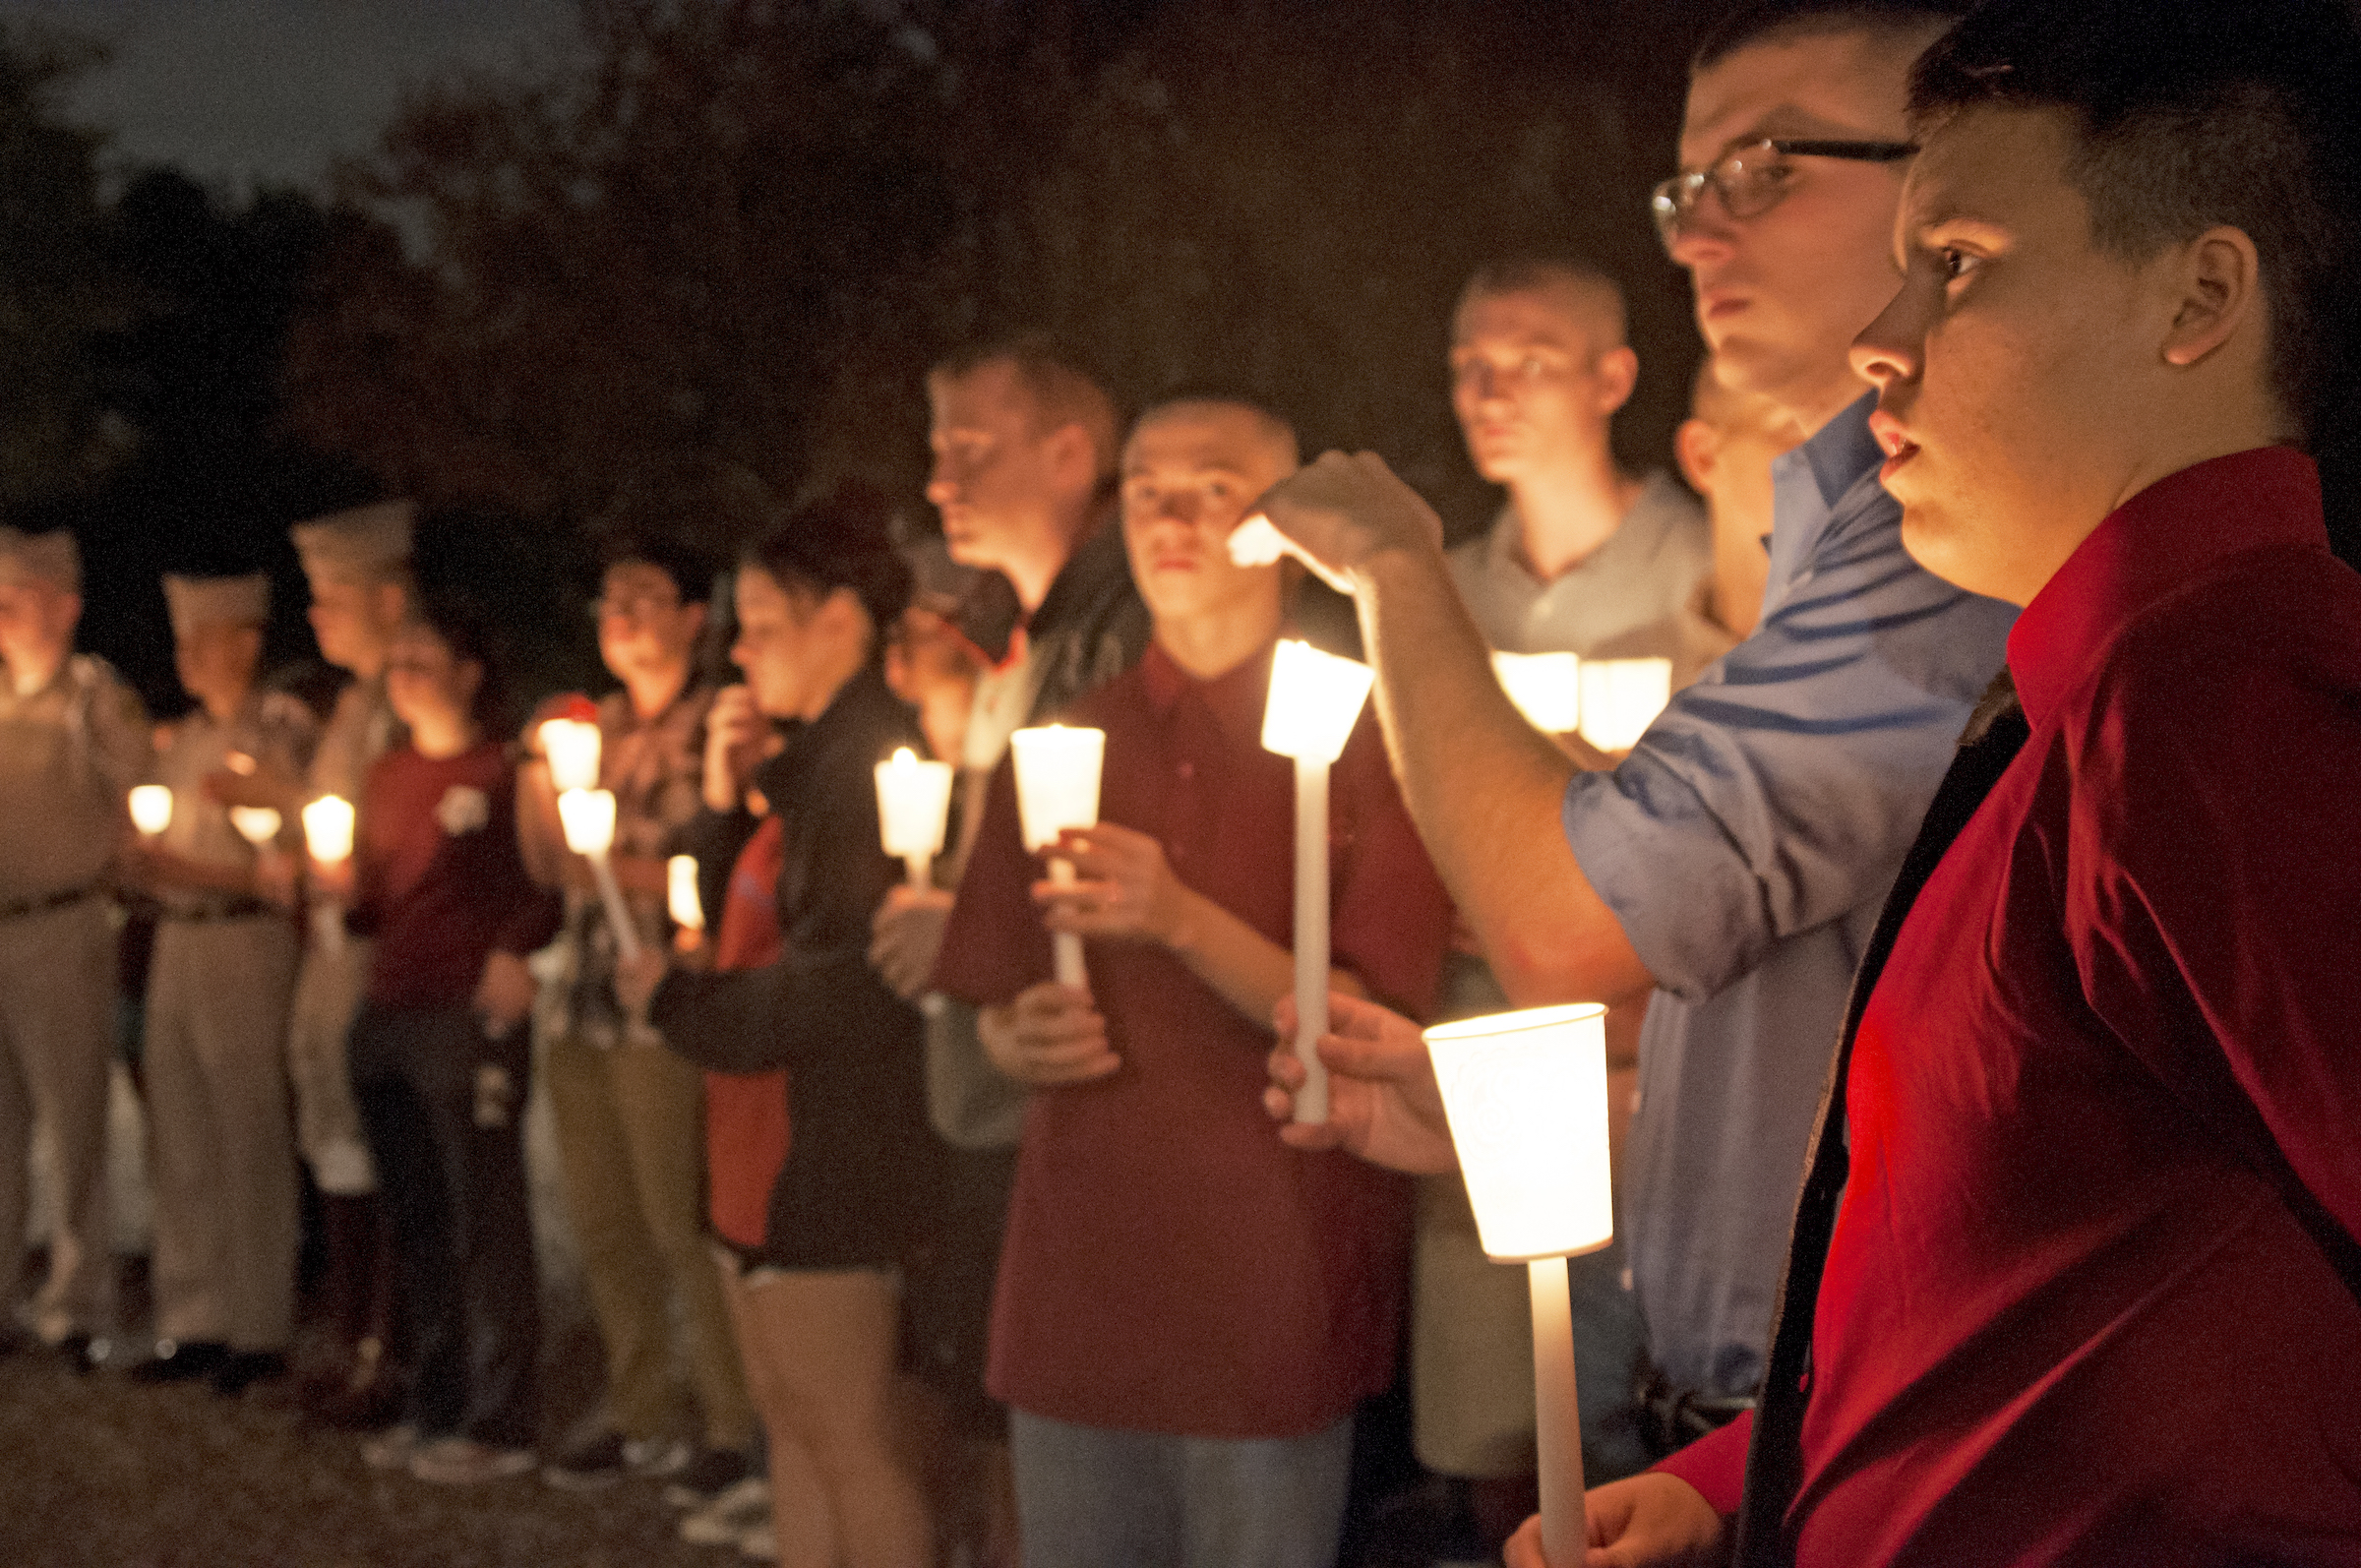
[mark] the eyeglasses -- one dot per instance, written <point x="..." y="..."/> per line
<point x="1752" y="180"/>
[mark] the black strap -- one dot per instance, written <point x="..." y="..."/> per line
<point x="1995" y="732"/>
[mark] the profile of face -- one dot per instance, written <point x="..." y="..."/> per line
<point x="1531" y="381"/>
<point x="643" y="628"/>
<point x="1002" y="476"/>
<point x="37" y="623"/>
<point x="428" y="685"/>
<point x="1725" y="448"/>
<point x="2022" y="371"/>
<point x="1781" y="294"/>
<point x="354" y="621"/>
<point x="1189" y="472"/>
<point x="790" y="644"/>
<point x="216" y="660"/>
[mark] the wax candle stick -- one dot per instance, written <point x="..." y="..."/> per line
<point x="914" y="803"/>
<point x="1057" y="771"/>
<point x="588" y="818"/>
<point x="1314" y="700"/>
<point x="1526" y="1096"/>
<point x="328" y="826"/>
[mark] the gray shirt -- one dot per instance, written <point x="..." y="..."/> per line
<point x="1633" y="597"/>
<point x="69" y="755"/>
<point x="1746" y="845"/>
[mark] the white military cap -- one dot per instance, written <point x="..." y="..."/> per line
<point x="361" y="543"/>
<point x="52" y="560"/>
<point x="216" y="601"/>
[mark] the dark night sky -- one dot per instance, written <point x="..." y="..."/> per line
<point x="241" y="91"/>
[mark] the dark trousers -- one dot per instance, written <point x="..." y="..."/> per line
<point x="444" y="1108"/>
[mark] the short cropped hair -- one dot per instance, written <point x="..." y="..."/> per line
<point x="841" y="538"/>
<point x="1525" y="274"/>
<point x="2184" y="118"/>
<point x="1275" y="428"/>
<point x="1063" y="390"/>
<point x="463" y="624"/>
<point x="690" y="572"/>
<point x="1786" y="21"/>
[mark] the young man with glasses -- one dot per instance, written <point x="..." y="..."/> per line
<point x="1736" y="860"/>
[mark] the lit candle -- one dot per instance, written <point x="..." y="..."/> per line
<point x="257" y="825"/>
<point x="152" y="809"/>
<point x="1257" y="542"/>
<point x="327" y="825"/>
<point x="571" y="747"/>
<point x="680" y="893"/>
<point x="588" y="818"/>
<point x="914" y="803"/>
<point x="1316" y="698"/>
<point x="1526" y="1096"/>
<point x="1621" y="698"/>
<point x="1057" y="787"/>
<point x="1546" y="689"/>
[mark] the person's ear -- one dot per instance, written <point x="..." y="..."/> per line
<point x="2217" y="289"/>
<point x="1696" y="447"/>
<point x="1618" y="371"/>
<point x="1074" y="458"/>
<point x="693" y="622"/>
<point x="388" y="603"/>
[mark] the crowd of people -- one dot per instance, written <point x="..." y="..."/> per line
<point x="907" y="1242"/>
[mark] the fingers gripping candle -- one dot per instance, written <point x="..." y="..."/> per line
<point x="1057" y="787"/>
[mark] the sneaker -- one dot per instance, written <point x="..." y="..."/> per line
<point x="179" y="1360"/>
<point x="761" y="1543"/>
<point x="606" y="1457"/>
<point x="464" y="1462"/>
<point x="712" y="1472"/>
<point x="391" y="1449"/>
<point x="733" y="1511"/>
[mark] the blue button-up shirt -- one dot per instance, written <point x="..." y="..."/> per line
<point x="1746" y="845"/>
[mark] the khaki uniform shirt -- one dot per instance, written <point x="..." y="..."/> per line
<point x="69" y="755"/>
<point x="275" y="729"/>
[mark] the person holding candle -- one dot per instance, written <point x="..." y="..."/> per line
<point x="627" y="1112"/>
<point x="74" y="740"/>
<point x="221" y="1144"/>
<point x="815" y="1295"/>
<point x="1188" y="1313"/>
<point x="1736" y="861"/>
<point x="441" y="1054"/>
<point x="2080" y="1230"/>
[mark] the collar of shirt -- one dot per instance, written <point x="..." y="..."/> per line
<point x="1829" y="477"/>
<point x="847" y="720"/>
<point x="2169" y="538"/>
<point x="1659" y="503"/>
<point x="1236" y="697"/>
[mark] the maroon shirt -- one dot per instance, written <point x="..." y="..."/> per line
<point x="2070" y="1315"/>
<point x="438" y="880"/>
<point x="1170" y="1265"/>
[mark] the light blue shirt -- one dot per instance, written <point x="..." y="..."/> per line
<point x="1746" y="845"/>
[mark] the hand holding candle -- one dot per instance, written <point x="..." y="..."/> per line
<point x="588" y="818"/>
<point x="1526" y="1096"/>
<point x="914" y="804"/>
<point x="1316" y="698"/>
<point x="1057" y="787"/>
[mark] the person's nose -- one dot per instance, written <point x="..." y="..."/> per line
<point x="1704" y="234"/>
<point x="1889" y="350"/>
<point x="941" y="488"/>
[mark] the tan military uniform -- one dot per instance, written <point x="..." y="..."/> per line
<point x="327" y="989"/>
<point x="69" y="754"/>
<point x="222" y="1151"/>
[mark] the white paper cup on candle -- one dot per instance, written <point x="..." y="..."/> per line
<point x="571" y="747"/>
<point x="914" y="805"/>
<point x="327" y="825"/>
<point x="258" y="825"/>
<point x="1546" y="689"/>
<point x="1621" y="698"/>
<point x="588" y="819"/>
<point x="1057" y="768"/>
<point x="152" y="809"/>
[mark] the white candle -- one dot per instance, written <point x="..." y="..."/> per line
<point x="680" y="893"/>
<point x="258" y="825"/>
<point x="1315" y="700"/>
<point x="914" y="804"/>
<point x="1621" y="698"/>
<point x="571" y="747"/>
<point x="588" y="818"/>
<point x="1546" y="689"/>
<point x="1257" y="542"/>
<point x="1526" y="1096"/>
<point x="152" y="809"/>
<point x="1058" y="770"/>
<point x="327" y="825"/>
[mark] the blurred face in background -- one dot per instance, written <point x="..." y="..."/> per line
<point x="429" y="688"/>
<point x="354" y="621"/>
<point x="1189" y="472"/>
<point x="644" y="631"/>
<point x="794" y="647"/>
<point x="1725" y="448"/>
<point x="1004" y="484"/>
<point x="1535" y="377"/>
<point x="36" y="624"/>
<point x="217" y="661"/>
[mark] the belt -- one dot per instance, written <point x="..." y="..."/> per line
<point x="47" y="902"/>
<point x="226" y="909"/>
<point x="1673" y="1417"/>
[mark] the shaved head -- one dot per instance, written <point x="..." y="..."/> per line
<point x="1274" y="434"/>
<point x="1587" y="295"/>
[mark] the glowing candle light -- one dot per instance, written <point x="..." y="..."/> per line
<point x="588" y="818"/>
<point x="1057" y="787"/>
<point x="1546" y="689"/>
<point x="1257" y="542"/>
<point x="1316" y="698"/>
<point x="1621" y="698"/>
<point x="152" y="809"/>
<point x="327" y="825"/>
<point x="680" y="893"/>
<point x="1526" y="1096"/>
<point x="914" y="804"/>
<point x="258" y="825"/>
<point x="571" y="747"/>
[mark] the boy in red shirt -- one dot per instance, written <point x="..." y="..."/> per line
<point x="1188" y="1312"/>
